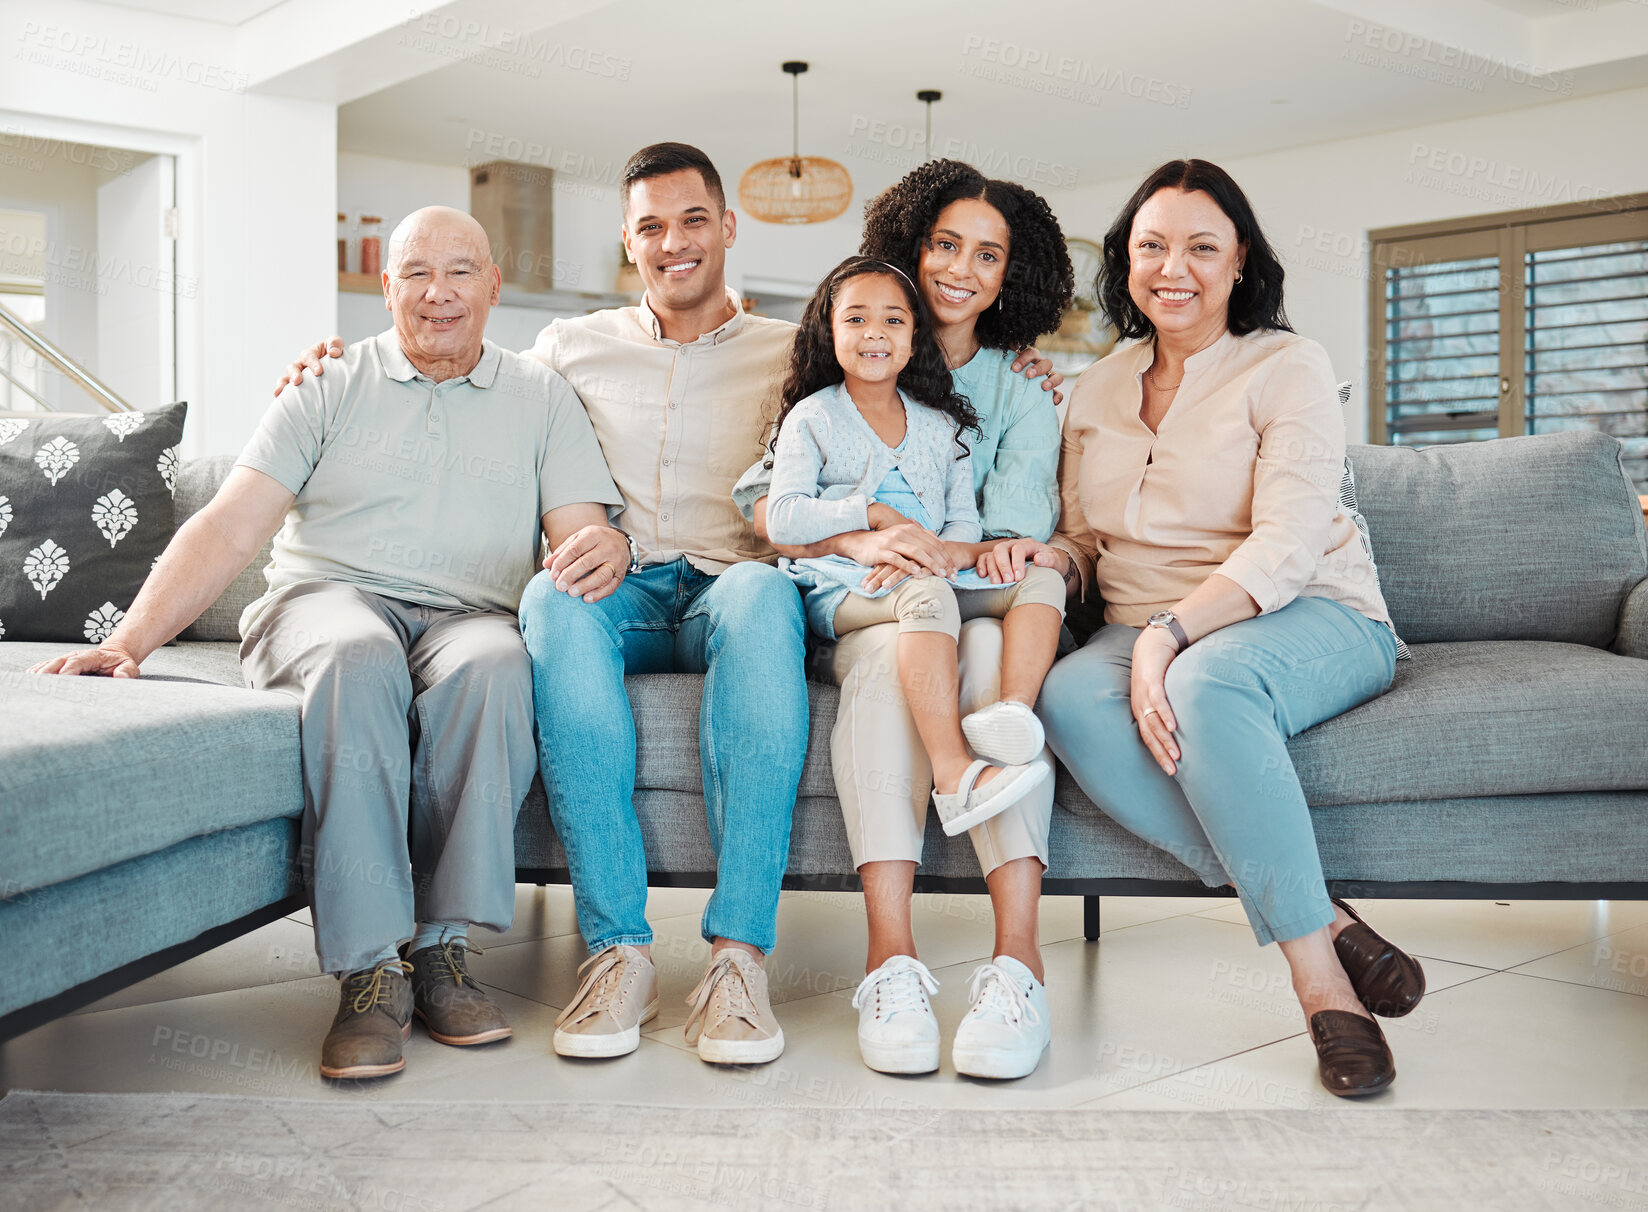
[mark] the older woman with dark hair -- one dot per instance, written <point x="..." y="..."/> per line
<point x="1200" y="478"/>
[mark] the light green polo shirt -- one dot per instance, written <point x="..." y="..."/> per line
<point x="432" y="493"/>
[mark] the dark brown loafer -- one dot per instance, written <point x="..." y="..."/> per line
<point x="453" y="1006"/>
<point x="1387" y="980"/>
<point x="373" y="1021"/>
<point x="1351" y="1054"/>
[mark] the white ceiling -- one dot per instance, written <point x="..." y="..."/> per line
<point x="219" y="12"/>
<point x="1233" y="78"/>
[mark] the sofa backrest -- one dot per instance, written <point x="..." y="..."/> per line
<point x="1532" y="538"/>
<point x="196" y="484"/>
<point x="1536" y="538"/>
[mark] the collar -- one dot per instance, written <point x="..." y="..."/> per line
<point x="1145" y="353"/>
<point x="649" y="321"/>
<point x="397" y="366"/>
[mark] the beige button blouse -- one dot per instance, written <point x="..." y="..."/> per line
<point x="1241" y="479"/>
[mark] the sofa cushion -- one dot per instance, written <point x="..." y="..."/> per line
<point x="1505" y="717"/>
<point x="131" y="767"/>
<point x="59" y="936"/>
<point x="85" y="507"/>
<point x="197" y="485"/>
<point x="218" y="664"/>
<point x="1533" y="538"/>
<point x="666" y="707"/>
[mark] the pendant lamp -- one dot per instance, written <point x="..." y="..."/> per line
<point x="795" y="188"/>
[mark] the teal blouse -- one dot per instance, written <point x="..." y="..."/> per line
<point x="1016" y="462"/>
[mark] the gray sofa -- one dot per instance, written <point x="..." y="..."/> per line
<point x="143" y="822"/>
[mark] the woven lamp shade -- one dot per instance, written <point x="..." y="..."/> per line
<point x="795" y="189"/>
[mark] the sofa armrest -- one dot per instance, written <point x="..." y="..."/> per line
<point x="1632" y="639"/>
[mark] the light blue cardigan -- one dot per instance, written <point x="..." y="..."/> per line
<point x="827" y="466"/>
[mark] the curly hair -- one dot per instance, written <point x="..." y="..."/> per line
<point x="813" y="365"/>
<point x="1039" y="284"/>
<point x="1255" y="301"/>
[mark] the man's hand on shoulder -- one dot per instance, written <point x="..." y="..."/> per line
<point x="111" y="660"/>
<point x="313" y="360"/>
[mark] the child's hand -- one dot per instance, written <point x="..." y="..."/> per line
<point x="1004" y="564"/>
<point x="885" y="517"/>
<point x="883" y="576"/>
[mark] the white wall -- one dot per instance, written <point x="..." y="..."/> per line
<point x="1317" y="204"/>
<point x="257" y="184"/>
<point x="134" y="309"/>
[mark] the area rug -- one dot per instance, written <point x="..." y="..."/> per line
<point x="173" y="1151"/>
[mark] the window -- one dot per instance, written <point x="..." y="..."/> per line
<point x="1509" y="324"/>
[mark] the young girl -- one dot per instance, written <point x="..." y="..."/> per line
<point x="870" y="436"/>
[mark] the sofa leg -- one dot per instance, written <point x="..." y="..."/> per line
<point x="1090" y="918"/>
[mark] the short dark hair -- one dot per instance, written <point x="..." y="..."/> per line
<point x="661" y="159"/>
<point x="1255" y="301"/>
<point x="1039" y="280"/>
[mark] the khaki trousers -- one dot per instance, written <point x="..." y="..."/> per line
<point x="882" y="774"/>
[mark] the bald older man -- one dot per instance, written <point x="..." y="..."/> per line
<point x="415" y="484"/>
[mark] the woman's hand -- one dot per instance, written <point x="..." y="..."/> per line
<point x="1033" y="364"/>
<point x="912" y="549"/>
<point x="1153" y="652"/>
<point x="883" y="576"/>
<point x="1005" y="563"/>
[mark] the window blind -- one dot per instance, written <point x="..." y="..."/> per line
<point x="1587" y="344"/>
<point x="1442" y="351"/>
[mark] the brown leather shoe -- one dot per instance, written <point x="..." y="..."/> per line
<point x="373" y="1021"/>
<point x="1351" y="1054"/>
<point x="1387" y="980"/>
<point x="454" y="1008"/>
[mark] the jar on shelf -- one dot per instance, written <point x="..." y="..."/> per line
<point x="343" y="243"/>
<point x="371" y="245"/>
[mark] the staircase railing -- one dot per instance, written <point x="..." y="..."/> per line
<point x="17" y="327"/>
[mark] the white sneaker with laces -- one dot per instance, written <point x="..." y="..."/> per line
<point x="1006" y="732"/>
<point x="897" y="1029"/>
<point x="1008" y="1027"/>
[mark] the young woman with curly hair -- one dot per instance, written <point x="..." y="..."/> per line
<point x="989" y="261"/>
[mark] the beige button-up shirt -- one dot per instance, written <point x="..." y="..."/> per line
<point x="1241" y="479"/>
<point x="678" y="423"/>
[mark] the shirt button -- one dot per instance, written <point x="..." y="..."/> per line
<point x="663" y="517"/>
<point x="666" y="462"/>
<point x="434" y="416"/>
<point x="672" y="403"/>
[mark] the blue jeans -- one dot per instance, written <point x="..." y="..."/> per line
<point x="1234" y="813"/>
<point x="743" y="630"/>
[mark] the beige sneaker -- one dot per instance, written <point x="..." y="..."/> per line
<point x="732" y="1019"/>
<point x="618" y="994"/>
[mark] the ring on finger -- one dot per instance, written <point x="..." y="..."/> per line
<point x="1150" y="711"/>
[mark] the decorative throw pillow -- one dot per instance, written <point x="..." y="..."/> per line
<point x="1347" y="504"/>
<point x="85" y="510"/>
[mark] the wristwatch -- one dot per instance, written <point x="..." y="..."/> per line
<point x="1169" y="622"/>
<point x="634" y="555"/>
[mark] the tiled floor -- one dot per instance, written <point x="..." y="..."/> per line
<point x="1531" y="1004"/>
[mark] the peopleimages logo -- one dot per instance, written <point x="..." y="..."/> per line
<point x="1443" y="63"/>
<point x="1045" y="71"/>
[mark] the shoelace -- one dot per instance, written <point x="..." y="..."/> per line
<point x="994" y="991"/>
<point x="371" y="988"/>
<point x="723" y="983"/>
<point x="602" y="986"/>
<point x="897" y="986"/>
<point x="449" y="961"/>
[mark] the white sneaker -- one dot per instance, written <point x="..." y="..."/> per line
<point x="897" y="1030"/>
<point x="973" y="804"/>
<point x="1007" y="733"/>
<point x="1009" y="1026"/>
